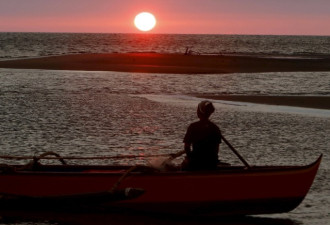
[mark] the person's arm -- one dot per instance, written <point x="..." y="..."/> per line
<point x="187" y="149"/>
<point x="187" y="140"/>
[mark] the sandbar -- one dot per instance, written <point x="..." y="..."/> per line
<point x="317" y="102"/>
<point x="170" y="63"/>
<point x="189" y="64"/>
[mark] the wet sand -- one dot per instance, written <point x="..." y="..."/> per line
<point x="188" y="64"/>
<point x="170" y="63"/>
<point x="318" y="102"/>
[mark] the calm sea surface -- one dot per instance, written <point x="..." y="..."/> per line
<point x="111" y="113"/>
<point x="17" y="45"/>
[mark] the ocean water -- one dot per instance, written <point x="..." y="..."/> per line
<point x="18" y="45"/>
<point x="77" y="113"/>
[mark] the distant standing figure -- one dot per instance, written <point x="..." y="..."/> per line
<point x="188" y="51"/>
<point x="204" y="137"/>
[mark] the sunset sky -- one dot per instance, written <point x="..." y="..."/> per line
<point x="292" y="17"/>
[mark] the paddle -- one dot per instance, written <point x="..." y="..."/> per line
<point x="235" y="152"/>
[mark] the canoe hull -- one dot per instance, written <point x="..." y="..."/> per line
<point x="226" y="191"/>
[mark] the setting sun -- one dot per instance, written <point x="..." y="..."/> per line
<point x="145" y="21"/>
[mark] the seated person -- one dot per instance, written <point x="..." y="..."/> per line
<point x="204" y="137"/>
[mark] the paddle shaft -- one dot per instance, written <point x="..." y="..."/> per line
<point x="235" y="152"/>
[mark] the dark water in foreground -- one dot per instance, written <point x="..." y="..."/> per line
<point x="111" y="113"/>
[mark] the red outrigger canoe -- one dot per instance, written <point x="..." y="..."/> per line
<point x="229" y="190"/>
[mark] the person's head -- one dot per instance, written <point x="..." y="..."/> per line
<point x="205" y="109"/>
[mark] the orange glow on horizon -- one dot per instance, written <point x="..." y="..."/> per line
<point x="173" y="17"/>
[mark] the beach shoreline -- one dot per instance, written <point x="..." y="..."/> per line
<point x="316" y="102"/>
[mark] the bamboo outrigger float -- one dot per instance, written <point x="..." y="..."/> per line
<point x="228" y="190"/>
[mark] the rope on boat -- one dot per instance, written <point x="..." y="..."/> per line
<point x="131" y="192"/>
<point x="115" y="186"/>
